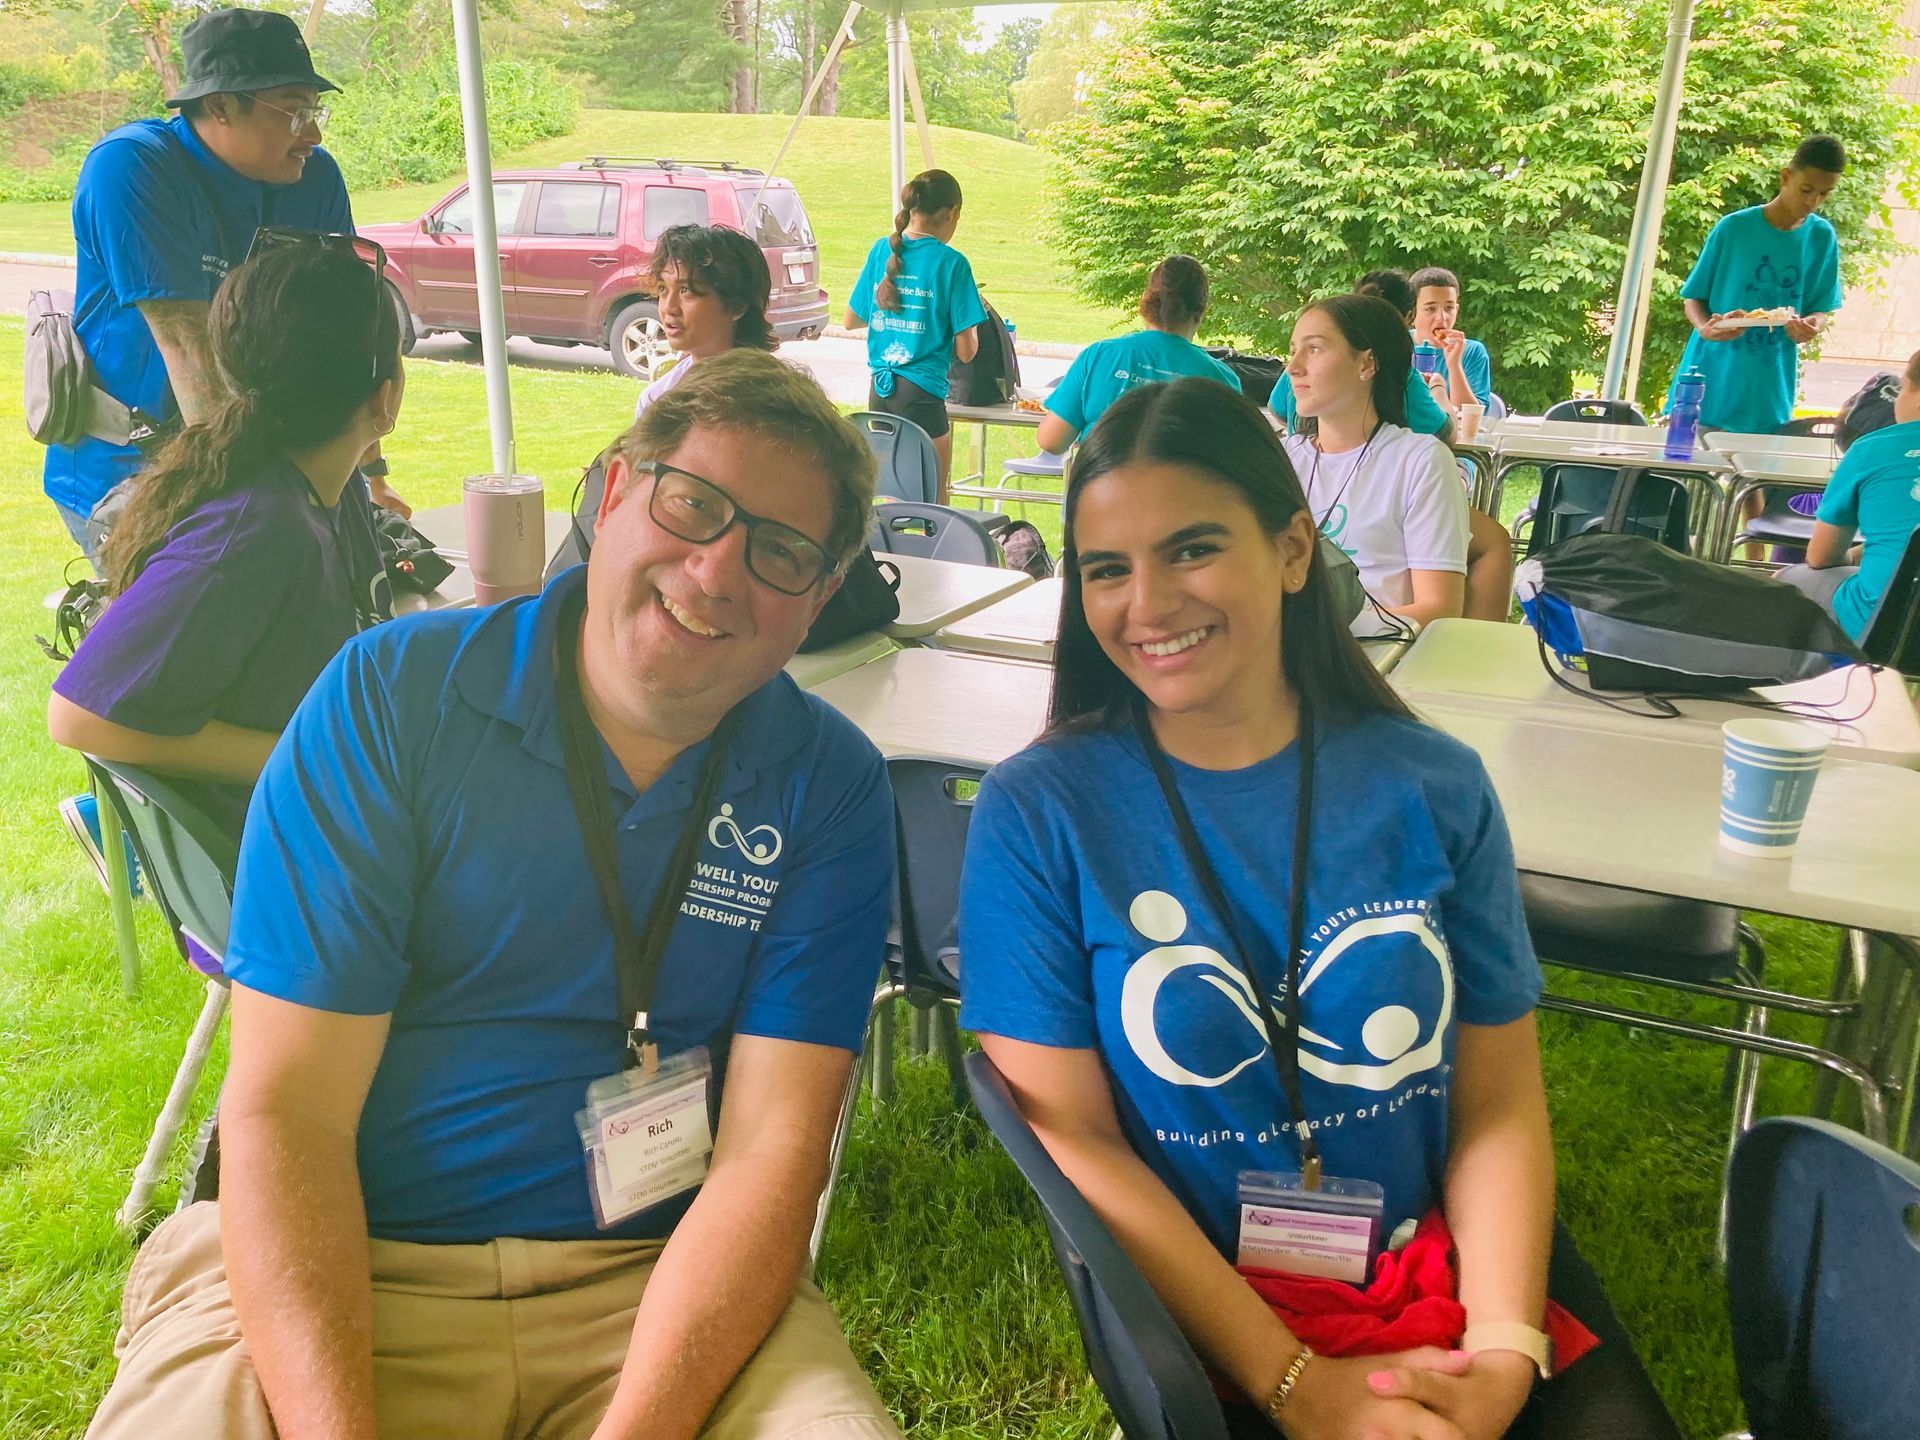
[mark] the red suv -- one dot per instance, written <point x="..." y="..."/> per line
<point x="575" y="245"/>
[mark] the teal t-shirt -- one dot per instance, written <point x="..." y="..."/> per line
<point x="938" y="299"/>
<point x="1479" y="367"/>
<point x="1876" y="490"/>
<point x="1748" y="264"/>
<point x="1424" y="415"/>
<point x="1107" y="369"/>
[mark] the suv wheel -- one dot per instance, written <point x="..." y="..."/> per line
<point x="638" y="341"/>
<point x="407" y="336"/>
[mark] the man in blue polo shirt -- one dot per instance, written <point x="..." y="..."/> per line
<point x="164" y="208"/>
<point x="522" y="890"/>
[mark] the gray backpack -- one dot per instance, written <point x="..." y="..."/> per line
<point x="63" y="404"/>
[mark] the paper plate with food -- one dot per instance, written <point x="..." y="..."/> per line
<point x="1028" y="401"/>
<point x="1756" y="319"/>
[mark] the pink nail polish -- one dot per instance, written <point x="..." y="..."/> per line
<point x="1380" y="1380"/>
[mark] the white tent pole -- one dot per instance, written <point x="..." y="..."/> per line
<point x="896" y="106"/>
<point x="919" y="105"/>
<point x="840" y="39"/>
<point x="1643" y="243"/>
<point x="486" y="232"/>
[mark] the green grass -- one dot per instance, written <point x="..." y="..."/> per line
<point x="936" y="1259"/>
<point x="839" y="167"/>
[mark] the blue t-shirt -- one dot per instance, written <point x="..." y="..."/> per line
<point x="938" y="299"/>
<point x="1424" y="415"/>
<point x="157" y="216"/>
<point x="1876" y="490"/>
<point x="1107" y="369"/>
<point x="412" y="849"/>
<point x="1748" y="264"/>
<point x="1083" y="925"/>
<point x="1479" y="368"/>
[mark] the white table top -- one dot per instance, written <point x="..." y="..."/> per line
<point x="1812" y="447"/>
<point x="810" y="668"/>
<point x="934" y="593"/>
<point x="944" y="705"/>
<point x="1386" y="654"/>
<point x="1501" y="432"/>
<point x="446" y="525"/>
<point x="1762" y="465"/>
<point x="1633" y="448"/>
<point x="1643" y="811"/>
<point x="1008" y="414"/>
<point x="1022" y="626"/>
<point x="1495" y="669"/>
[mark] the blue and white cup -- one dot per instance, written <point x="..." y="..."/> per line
<point x="1766" y="779"/>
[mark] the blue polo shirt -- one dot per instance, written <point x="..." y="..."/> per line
<point x="1107" y="369"/>
<point x="157" y="216"/>
<point x="1876" y="490"/>
<point x="412" y="850"/>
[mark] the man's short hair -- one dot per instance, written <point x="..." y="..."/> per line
<point x="195" y="108"/>
<point x="1820" y="152"/>
<point x="1436" y="276"/>
<point x="750" y="390"/>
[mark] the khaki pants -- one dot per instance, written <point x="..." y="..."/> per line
<point x="515" y="1339"/>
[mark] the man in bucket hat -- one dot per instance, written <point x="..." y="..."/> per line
<point x="164" y="208"/>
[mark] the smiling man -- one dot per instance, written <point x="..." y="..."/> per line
<point x="556" y="929"/>
<point x="163" y="209"/>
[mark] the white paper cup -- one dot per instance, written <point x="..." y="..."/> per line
<point x="506" y="535"/>
<point x="1471" y="414"/>
<point x="1767" y="773"/>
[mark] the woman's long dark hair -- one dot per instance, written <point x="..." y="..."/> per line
<point x="1367" y="322"/>
<point x="730" y="265"/>
<point x="1203" y="424"/>
<point x="928" y="193"/>
<point x="303" y="335"/>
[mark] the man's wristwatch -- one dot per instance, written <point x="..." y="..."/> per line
<point x="1511" y="1335"/>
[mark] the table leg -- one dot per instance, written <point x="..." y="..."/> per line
<point x="113" y="846"/>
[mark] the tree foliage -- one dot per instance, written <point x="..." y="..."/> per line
<point x="966" y="81"/>
<point x="1070" y="48"/>
<point x="1294" y="144"/>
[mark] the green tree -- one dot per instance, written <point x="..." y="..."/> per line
<point x="1071" y="46"/>
<point x="1294" y="144"/>
<point x="965" y="83"/>
<point x="658" y="54"/>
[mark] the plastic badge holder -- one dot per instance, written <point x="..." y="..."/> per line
<point x="1332" y="1232"/>
<point x="646" y="1138"/>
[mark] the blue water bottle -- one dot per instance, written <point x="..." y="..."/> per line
<point x="1683" y="420"/>
<point x="1428" y="359"/>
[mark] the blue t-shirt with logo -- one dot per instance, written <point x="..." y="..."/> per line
<point x="1478" y="366"/>
<point x="1876" y="490"/>
<point x="1083" y="925"/>
<point x="938" y="299"/>
<point x="1749" y="264"/>
<point x="158" y="216"/>
<point x="1424" y="415"/>
<point x="412" y="850"/>
<point x="1107" y="369"/>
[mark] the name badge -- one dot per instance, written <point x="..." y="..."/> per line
<point x="1332" y="1232"/>
<point x="647" y="1138"/>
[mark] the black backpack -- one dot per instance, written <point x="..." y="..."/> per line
<point x="1023" y="548"/>
<point x="1258" y="373"/>
<point x="993" y="373"/>
<point x="1868" y="409"/>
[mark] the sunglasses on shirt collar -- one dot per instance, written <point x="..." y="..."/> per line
<point x="369" y="252"/>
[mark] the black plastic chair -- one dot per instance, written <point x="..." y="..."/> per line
<point x="189" y="862"/>
<point x="909" y="469"/>
<point x="1893" y="635"/>
<point x="1596" y="412"/>
<point x="1823" y="1282"/>
<point x="934" y="532"/>
<point x="1142" y="1363"/>
<point x="1778" y="523"/>
<point x="1574" y="499"/>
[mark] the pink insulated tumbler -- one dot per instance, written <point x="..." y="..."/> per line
<point x="506" y="536"/>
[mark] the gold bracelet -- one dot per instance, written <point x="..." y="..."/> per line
<point x="1283" y="1392"/>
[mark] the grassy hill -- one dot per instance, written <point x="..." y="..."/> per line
<point x="840" y="169"/>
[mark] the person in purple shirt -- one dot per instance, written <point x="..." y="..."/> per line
<point x="246" y="557"/>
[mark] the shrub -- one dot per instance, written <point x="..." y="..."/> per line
<point x="20" y="83"/>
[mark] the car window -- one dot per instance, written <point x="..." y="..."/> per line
<point x="668" y="205"/>
<point x="457" y="217"/>
<point x="568" y="207"/>
<point x="779" y="218"/>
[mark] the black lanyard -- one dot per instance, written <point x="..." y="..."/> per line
<point x="636" y="958"/>
<point x="1285" y="1050"/>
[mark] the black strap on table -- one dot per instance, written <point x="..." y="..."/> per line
<point x="636" y="958"/>
<point x="1285" y="1049"/>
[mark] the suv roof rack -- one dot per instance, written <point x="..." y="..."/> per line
<point x="634" y="162"/>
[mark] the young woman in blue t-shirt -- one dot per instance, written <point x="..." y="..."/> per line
<point x="1131" y="896"/>
<point x="917" y="293"/>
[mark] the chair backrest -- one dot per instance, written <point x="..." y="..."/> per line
<point x="934" y="532"/>
<point x="1140" y="1360"/>
<point x="1823" y="1282"/>
<point x="188" y="861"/>
<point x="1823" y="427"/>
<point x="1893" y="635"/>
<point x="1575" y="499"/>
<point x="908" y="467"/>
<point x="933" y="805"/>
<point x="1496" y="407"/>
<point x="1597" y="412"/>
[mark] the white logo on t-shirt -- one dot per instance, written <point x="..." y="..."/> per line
<point x="723" y="831"/>
<point x="1390" y="1035"/>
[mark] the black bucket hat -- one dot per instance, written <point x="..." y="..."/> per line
<point x="234" y="51"/>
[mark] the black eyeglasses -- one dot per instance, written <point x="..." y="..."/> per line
<point x="690" y="508"/>
<point x="370" y="253"/>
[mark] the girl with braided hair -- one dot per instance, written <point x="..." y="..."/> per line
<point x="918" y="302"/>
